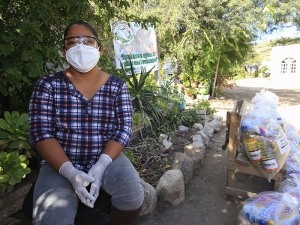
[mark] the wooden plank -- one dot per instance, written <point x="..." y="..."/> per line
<point x="239" y="193"/>
<point x="250" y="169"/>
<point x="231" y="178"/>
<point x="227" y="123"/>
<point x="233" y="129"/>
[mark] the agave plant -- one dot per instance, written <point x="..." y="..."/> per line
<point x="14" y="132"/>
<point x="142" y="97"/>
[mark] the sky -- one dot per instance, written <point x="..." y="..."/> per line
<point x="287" y="32"/>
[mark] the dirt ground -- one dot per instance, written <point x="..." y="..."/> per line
<point x="205" y="201"/>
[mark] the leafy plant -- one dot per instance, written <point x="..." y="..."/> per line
<point x="14" y="133"/>
<point x="137" y="118"/>
<point x="204" y="105"/>
<point x="187" y="83"/>
<point x="143" y="99"/>
<point x="130" y="155"/>
<point x="191" y="91"/>
<point x="13" y="168"/>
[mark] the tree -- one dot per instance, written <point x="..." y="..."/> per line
<point x="31" y="38"/>
<point x="198" y="32"/>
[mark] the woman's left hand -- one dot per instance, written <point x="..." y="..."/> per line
<point x="97" y="172"/>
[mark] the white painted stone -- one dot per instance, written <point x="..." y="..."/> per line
<point x="198" y="138"/>
<point x="183" y="128"/>
<point x="162" y="137"/>
<point x="198" y="126"/>
<point x="205" y="138"/>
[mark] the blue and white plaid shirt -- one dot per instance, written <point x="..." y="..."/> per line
<point x="81" y="126"/>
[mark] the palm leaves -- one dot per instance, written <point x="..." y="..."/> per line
<point x="142" y="97"/>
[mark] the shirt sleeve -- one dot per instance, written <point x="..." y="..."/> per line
<point x="123" y="117"/>
<point x="41" y="112"/>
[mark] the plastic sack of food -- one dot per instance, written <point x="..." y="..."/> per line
<point x="255" y="119"/>
<point x="293" y="160"/>
<point x="266" y="97"/>
<point x="268" y="156"/>
<point x="270" y="111"/>
<point x="292" y="134"/>
<point x="269" y="208"/>
<point x="291" y="185"/>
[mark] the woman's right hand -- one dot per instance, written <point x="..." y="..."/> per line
<point x="79" y="181"/>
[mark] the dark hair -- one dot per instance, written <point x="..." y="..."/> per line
<point x="80" y="22"/>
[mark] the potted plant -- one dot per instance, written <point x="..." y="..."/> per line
<point x="191" y="92"/>
<point x="187" y="84"/>
<point x="195" y="79"/>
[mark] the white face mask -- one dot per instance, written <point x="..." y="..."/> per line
<point x="83" y="58"/>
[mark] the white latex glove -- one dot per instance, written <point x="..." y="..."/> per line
<point x="97" y="172"/>
<point x="79" y="181"/>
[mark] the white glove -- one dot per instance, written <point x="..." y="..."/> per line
<point x="97" y="172"/>
<point x="79" y="181"/>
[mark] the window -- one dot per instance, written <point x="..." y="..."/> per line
<point x="288" y="65"/>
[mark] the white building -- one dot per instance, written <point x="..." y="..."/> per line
<point x="285" y="65"/>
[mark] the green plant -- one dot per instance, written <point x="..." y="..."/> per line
<point x="130" y="155"/>
<point x="14" y="133"/>
<point x="190" y="91"/>
<point x="137" y="118"/>
<point x="187" y="83"/>
<point x="204" y="105"/>
<point x="13" y="168"/>
<point x="203" y="90"/>
<point x="187" y="118"/>
<point x="143" y="99"/>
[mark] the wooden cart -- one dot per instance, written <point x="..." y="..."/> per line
<point x="237" y="158"/>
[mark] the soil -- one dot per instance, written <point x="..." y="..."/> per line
<point x="205" y="199"/>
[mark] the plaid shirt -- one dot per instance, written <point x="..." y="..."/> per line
<point x="81" y="126"/>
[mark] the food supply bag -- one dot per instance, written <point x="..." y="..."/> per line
<point x="291" y="185"/>
<point x="269" y="208"/>
<point x="269" y="150"/>
<point x="267" y="98"/>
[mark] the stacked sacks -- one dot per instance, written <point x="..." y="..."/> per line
<point x="261" y="125"/>
<point x="263" y="136"/>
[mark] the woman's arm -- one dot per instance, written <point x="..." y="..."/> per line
<point x="42" y="124"/>
<point x="52" y="152"/>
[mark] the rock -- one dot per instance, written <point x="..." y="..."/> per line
<point x="209" y="129"/>
<point x="216" y="124"/>
<point x="170" y="187"/>
<point x="193" y="150"/>
<point x="11" y="202"/>
<point x="162" y="137"/>
<point x="165" y="145"/>
<point x="184" y="163"/>
<point x="198" y="138"/>
<point x="150" y="199"/>
<point x="205" y="138"/>
<point x="183" y="128"/>
<point x="198" y="126"/>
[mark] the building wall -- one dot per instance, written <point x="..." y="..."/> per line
<point x="280" y="53"/>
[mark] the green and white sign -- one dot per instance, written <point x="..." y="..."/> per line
<point x="131" y="41"/>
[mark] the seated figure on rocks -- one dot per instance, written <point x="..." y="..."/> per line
<point x="80" y="120"/>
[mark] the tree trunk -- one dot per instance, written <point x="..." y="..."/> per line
<point x="216" y="74"/>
